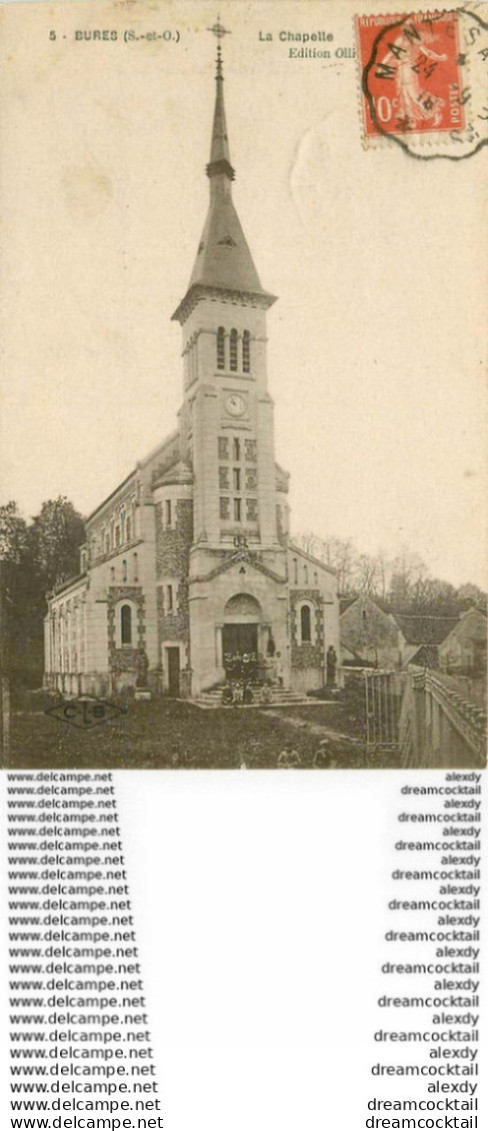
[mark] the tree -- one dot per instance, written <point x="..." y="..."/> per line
<point x="340" y="554"/>
<point x="13" y="533"/>
<point x="430" y="594"/>
<point x="55" y="537"/>
<point x="367" y="575"/>
<point x="384" y="568"/>
<point x="407" y="570"/>
<point x="470" y="594"/>
<point x="18" y="595"/>
<point x="35" y="557"/>
<point x="344" y="555"/>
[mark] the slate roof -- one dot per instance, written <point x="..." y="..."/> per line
<point x="347" y="601"/>
<point x="223" y="261"/>
<point x="425" y="629"/>
<point x="223" y="258"/>
<point x="178" y="472"/>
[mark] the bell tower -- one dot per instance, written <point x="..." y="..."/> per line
<point x="227" y="430"/>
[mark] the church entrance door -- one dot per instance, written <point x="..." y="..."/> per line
<point x="236" y="640"/>
<point x="173" y="661"/>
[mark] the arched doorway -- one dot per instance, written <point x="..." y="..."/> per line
<point x="242" y="615"/>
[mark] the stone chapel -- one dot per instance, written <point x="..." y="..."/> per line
<point x="189" y="562"/>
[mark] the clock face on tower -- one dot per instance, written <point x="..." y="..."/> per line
<point x="235" y="405"/>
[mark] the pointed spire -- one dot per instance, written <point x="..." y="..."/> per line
<point x="219" y="152"/>
<point x="224" y="261"/>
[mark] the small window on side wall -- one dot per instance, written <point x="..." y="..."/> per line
<point x="221" y="348"/>
<point x="233" y="351"/>
<point x="126" y="624"/>
<point x="305" y="624"/>
<point x="246" y="352"/>
<point x="168" y="512"/>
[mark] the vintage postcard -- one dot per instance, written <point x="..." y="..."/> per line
<point x="243" y="397"/>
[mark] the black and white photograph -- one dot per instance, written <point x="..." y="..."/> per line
<point x="243" y="308"/>
<point x="244" y="427"/>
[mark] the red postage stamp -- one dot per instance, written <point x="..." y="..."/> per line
<point x="410" y="74"/>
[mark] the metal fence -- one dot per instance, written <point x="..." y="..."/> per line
<point x="383" y="695"/>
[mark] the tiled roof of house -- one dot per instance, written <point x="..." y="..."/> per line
<point x="347" y="601"/>
<point x="424" y="629"/>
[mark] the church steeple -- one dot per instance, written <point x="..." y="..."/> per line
<point x="224" y="261"/>
<point x="219" y="152"/>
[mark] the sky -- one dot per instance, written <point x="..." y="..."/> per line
<point x="376" y="345"/>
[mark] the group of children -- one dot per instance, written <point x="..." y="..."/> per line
<point x="242" y="671"/>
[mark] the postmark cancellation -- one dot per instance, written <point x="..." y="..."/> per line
<point x="423" y="81"/>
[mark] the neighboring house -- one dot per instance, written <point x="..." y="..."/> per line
<point x="420" y="636"/>
<point x="372" y="636"/>
<point x="188" y="561"/>
<point x="463" y="650"/>
<point x="368" y="635"/>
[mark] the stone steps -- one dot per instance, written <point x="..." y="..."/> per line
<point x="278" y="697"/>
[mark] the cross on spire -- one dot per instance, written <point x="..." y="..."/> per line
<point x="219" y="31"/>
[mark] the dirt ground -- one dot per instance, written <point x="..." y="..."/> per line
<point x="171" y="734"/>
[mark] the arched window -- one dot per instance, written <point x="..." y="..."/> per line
<point x="233" y="350"/>
<point x="126" y="624"/>
<point x="305" y="624"/>
<point x="221" y="348"/>
<point x="128" y="528"/>
<point x="246" y="352"/>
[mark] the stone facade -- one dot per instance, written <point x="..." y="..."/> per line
<point x="369" y="635"/>
<point x="464" y="649"/>
<point x="190" y="559"/>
